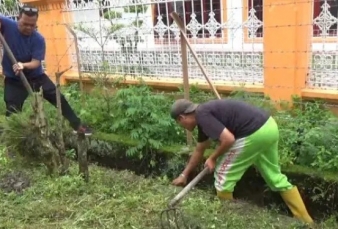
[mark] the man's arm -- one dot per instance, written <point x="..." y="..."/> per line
<point x="33" y="64"/>
<point x="216" y="131"/>
<point x="38" y="54"/>
<point x="196" y="157"/>
<point x="226" y="139"/>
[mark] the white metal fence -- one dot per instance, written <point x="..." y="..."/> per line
<point x="140" y="38"/>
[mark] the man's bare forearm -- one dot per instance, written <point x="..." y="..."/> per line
<point x="196" y="157"/>
<point x="194" y="160"/>
<point x="32" y="64"/>
<point x="221" y="149"/>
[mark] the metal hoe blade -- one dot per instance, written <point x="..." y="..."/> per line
<point x="172" y="217"/>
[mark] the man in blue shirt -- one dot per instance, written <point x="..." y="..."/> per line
<point x="29" y="47"/>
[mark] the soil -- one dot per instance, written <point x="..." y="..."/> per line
<point x="15" y="182"/>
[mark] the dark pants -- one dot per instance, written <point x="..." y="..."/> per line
<point x="16" y="94"/>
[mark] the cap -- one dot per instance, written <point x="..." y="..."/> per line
<point x="182" y="106"/>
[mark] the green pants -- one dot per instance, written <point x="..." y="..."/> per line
<point x="259" y="149"/>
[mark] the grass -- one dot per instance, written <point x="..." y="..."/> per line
<point x="116" y="199"/>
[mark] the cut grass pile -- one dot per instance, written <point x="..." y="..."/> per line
<point x="115" y="199"/>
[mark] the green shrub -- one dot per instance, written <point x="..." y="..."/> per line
<point x="308" y="132"/>
<point x="144" y="116"/>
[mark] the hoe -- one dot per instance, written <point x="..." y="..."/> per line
<point x="172" y="217"/>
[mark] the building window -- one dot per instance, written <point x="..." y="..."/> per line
<point x="188" y="10"/>
<point x="255" y="18"/>
<point x="325" y="14"/>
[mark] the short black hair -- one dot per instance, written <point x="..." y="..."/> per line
<point x="28" y="10"/>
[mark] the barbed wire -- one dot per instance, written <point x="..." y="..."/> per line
<point x="140" y="3"/>
<point x="90" y="22"/>
<point x="96" y="6"/>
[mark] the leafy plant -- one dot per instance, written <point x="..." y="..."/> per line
<point x="145" y="117"/>
<point x="308" y="130"/>
<point x="319" y="147"/>
<point x="143" y="114"/>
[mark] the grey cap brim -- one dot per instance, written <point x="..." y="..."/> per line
<point x="182" y="106"/>
<point x="191" y="108"/>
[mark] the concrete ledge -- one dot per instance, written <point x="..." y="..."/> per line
<point x="168" y="83"/>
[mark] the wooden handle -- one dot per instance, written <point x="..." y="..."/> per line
<point x="180" y="25"/>
<point x="187" y="188"/>
<point x="13" y="60"/>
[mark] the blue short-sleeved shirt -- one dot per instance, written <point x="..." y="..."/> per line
<point x="25" y="48"/>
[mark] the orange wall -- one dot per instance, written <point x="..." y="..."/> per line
<point x="287" y="46"/>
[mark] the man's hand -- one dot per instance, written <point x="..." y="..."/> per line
<point x="180" y="181"/>
<point x="18" y="67"/>
<point x="210" y="163"/>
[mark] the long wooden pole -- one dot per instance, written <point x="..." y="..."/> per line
<point x="61" y="145"/>
<point x="77" y="53"/>
<point x="185" y="71"/>
<point x="14" y="61"/>
<point x="180" y="25"/>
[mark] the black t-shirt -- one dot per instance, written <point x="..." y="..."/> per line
<point x="240" y="118"/>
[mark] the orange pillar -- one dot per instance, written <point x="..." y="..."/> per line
<point x="50" y="25"/>
<point x="287" y="47"/>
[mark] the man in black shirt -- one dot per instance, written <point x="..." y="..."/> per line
<point x="247" y="136"/>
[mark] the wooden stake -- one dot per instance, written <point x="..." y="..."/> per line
<point x="60" y="142"/>
<point x="185" y="80"/>
<point x="82" y="148"/>
<point x="77" y="53"/>
<point x="14" y="61"/>
<point x="180" y="25"/>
